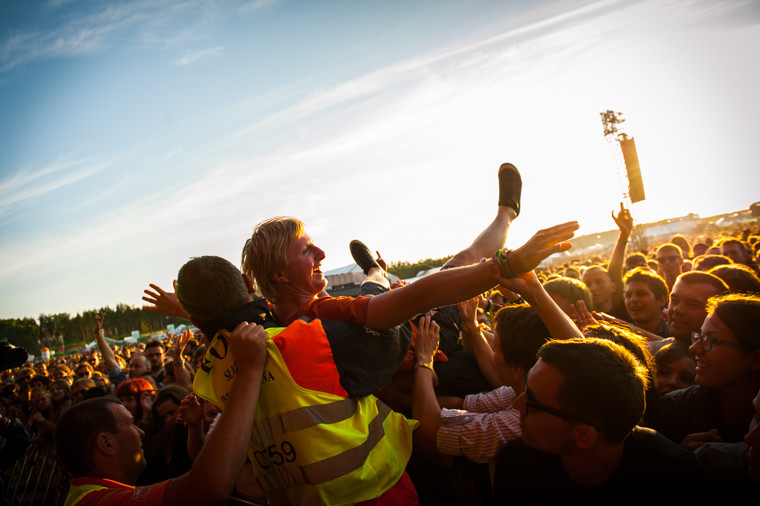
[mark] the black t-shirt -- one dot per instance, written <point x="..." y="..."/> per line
<point x="652" y="470"/>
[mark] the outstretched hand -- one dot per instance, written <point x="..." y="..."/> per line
<point x="623" y="220"/>
<point x="543" y="244"/>
<point x="163" y="302"/>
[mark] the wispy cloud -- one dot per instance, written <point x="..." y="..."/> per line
<point x="67" y="33"/>
<point x="24" y="186"/>
<point x="203" y="54"/>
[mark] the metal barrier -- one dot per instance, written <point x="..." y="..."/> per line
<point x="37" y="479"/>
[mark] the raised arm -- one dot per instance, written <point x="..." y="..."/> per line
<point x="559" y="324"/>
<point x="481" y="348"/>
<point x="425" y="406"/>
<point x="624" y="222"/>
<point x="212" y="477"/>
<point x="451" y="286"/>
<point x="105" y="350"/>
<point x="180" y="372"/>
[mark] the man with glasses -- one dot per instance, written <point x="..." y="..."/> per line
<point x="580" y="440"/>
<point x="670" y="262"/>
<point x="154" y="352"/>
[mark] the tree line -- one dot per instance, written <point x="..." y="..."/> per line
<point x="50" y="330"/>
<point x="405" y="270"/>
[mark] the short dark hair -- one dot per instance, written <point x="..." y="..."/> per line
<point x="210" y="287"/>
<point x="738" y="277"/>
<point x="571" y="289"/>
<point x="707" y="262"/>
<point x="705" y="278"/>
<point x="153" y="343"/>
<point x="171" y="392"/>
<point x="603" y="382"/>
<point x="77" y="431"/>
<point x="521" y="333"/>
<point x="670" y="353"/>
<point x="655" y="283"/>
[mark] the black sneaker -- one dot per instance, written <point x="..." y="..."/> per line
<point x="362" y="256"/>
<point x="510" y="187"/>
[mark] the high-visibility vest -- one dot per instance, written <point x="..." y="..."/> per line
<point x="307" y="446"/>
<point x="77" y="492"/>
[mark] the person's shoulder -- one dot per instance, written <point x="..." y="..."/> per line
<point x="693" y="392"/>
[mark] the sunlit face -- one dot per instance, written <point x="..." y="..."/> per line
<point x="168" y="412"/>
<point x="735" y="253"/>
<point x="128" y="443"/>
<point x="601" y="287"/>
<point x="641" y="303"/>
<point x="303" y="272"/>
<point x="676" y="375"/>
<point x="688" y="309"/>
<point x="540" y="430"/>
<point x="669" y="260"/>
<point x="100" y="382"/>
<point x="726" y="364"/>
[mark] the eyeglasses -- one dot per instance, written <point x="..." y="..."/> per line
<point x="707" y="342"/>
<point x="670" y="258"/>
<point x="530" y="402"/>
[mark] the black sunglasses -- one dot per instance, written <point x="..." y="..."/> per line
<point x="530" y="402"/>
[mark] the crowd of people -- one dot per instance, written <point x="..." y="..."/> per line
<point x="502" y="377"/>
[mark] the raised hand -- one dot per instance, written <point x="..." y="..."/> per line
<point x="581" y="315"/>
<point x="191" y="409"/>
<point x="623" y="220"/>
<point x="98" y="322"/>
<point x="163" y="302"/>
<point x="426" y="343"/>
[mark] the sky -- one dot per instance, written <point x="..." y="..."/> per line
<point x="135" y="135"/>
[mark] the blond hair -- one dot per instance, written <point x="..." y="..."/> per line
<point x="265" y="252"/>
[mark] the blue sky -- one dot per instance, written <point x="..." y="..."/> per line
<point x="137" y="134"/>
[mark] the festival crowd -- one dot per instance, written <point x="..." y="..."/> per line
<point x="499" y="378"/>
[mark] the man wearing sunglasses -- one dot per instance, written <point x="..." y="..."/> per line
<point x="669" y="262"/>
<point x="580" y="440"/>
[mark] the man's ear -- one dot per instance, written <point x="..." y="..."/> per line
<point x="248" y="283"/>
<point x="105" y="443"/>
<point x="586" y="436"/>
<point x="663" y="302"/>
<point x="279" y="277"/>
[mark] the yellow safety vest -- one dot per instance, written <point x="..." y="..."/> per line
<point x="77" y="492"/>
<point x="311" y="447"/>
